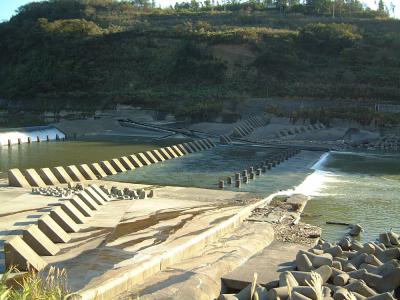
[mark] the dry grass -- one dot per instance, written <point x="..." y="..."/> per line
<point x="38" y="286"/>
<point x="316" y="284"/>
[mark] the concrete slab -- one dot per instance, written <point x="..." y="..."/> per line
<point x="39" y="242"/>
<point x="165" y="154"/>
<point x="48" y="177"/>
<point x="97" y="170"/>
<point x="96" y="197"/>
<point x="87" y="172"/>
<point x="17" y="179"/>
<point x="108" y="168"/>
<point x="177" y="150"/>
<point x="272" y="260"/>
<point x="52" y="230"/>
<point x="135" y="161"/>
<point x="73" y="212"/>
<point x="61" y="175"/>
<point x="151" y="157"/>
<point x="18" y="254"/>
<point x="157" y="155"/>
<point x="89" y="201"/>
<point x="63" y="220"/>
<point x="118" y="166"/>
<point x="143" y="159"/>
<point x="82" y="207"/>
<point x="33" y="178"/>
<point x="99" y="191"/>
<point x="126" y="163"/>
<point x="74" y="173"/>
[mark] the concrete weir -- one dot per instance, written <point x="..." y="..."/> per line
<point x="87" y="172"/>
<point x="33" y="178"/>
<point x="97" y="170"/>
<point x="63" y="220"/>
<point x="135" y="161"/>
<point x="73" y="212"/>
<point x="82" y="207"/>
<point x="118" y="166"/>
<point x="108" y="168"/>
<point x="48" y="177"/>
<point x="91" y="203"/>
<point x="39" y="242"/>
<point x="78" y="173"/>
<point x="96" y="197"/>
<point x="18" y="253"/>
<point x="143" y="159"/>
<point x="17" y="179"/>
<point x="126" y="163"/>
<point x="157" y="155"/>
<point x="61" y="175"/>
<point x="52" y="230"/>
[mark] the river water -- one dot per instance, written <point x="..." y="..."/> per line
<point x="354" y="187"/>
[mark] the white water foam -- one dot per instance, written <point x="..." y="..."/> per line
<point x="23" y="135"/>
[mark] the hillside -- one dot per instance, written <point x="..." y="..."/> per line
<point x="93" y="54"/>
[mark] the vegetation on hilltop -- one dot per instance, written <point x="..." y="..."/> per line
<point x="88" y="54"/>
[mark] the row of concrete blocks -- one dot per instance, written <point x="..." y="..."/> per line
<point x="300" y="129"/>
<point x="246" y="127"/>
<point x="41" y="239"/>
<point x="252" y="172"/>
<point x="78" y="173"/>
<point x="29" y="140"/>
<point x="225" y="139"/>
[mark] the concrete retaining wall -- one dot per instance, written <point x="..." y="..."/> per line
<point x="61" y="175"/>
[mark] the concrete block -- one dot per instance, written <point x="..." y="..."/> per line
<point x="177" y="150"/>
<point x="203" y="143"/>
<point x="199" y="145"/>
<point x="74" y="173"/>
<point x="96" y="197"/>
<point x="91" y="203"/>
<point x="47" y="176"/>
<point x="82" y="207"/>
<point x="210" y="142"/>
<point x="33" y="178"/>
<point x="98" y="190"/>
<point x="108" y="168"/>
<point x="52" y="230"/>
<point x="63" y="220"/>
<point x="97" y="170"/>
<point x="118" y="166"/>
<point x="151" y="157"/>
<point x="87" y="172"/>
<point x="135" y="161"/>
<point x="126" y="163"/>
<point x="143" y="159"/>
<point x="183" y="149"/>
<point x="171" y="152"/>
<point x="73" y="212"/>
<point x="17" y="179"/>
<point x="188" y="147"/>
<point x="39" y="242"/>
<point x="165" y="153"/>
<point x="157" y="155"/>
<point x="18" y="254"/>
<point x="61" y="175"/>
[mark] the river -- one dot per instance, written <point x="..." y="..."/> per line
<point x="353" y="187"/>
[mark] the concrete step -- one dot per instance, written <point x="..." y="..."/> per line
<point x="272" y="260"/>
